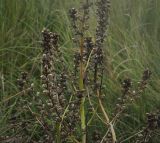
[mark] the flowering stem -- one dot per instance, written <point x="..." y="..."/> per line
<point x="58" y="138"/>
<point x="81" y="87"/>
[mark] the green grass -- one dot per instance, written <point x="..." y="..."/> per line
<point x="133" y="44"/>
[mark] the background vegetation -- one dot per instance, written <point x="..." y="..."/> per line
<point x="133" y="44"/>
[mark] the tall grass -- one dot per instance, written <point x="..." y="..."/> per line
<point x="132" y="45"/>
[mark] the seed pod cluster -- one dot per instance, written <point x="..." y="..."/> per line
<point x="51" y="87"/>
<point x="96" y="136"/>
<point x="147" y="133"/>
<point x="22" y="81"/>
<point x="103" y="7"/>
<point x="54" y="82"/>
<point x="129" y="93"/>
<point x="145" y="77"/>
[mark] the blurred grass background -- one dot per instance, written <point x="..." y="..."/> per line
<point x="133" y="44"/>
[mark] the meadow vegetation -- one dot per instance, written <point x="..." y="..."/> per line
<point x="108" y="92"/>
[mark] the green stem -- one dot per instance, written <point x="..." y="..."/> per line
<point x="81" y="87"/>
<point x="58" y="136"/>
<point x="83" y="124"/>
